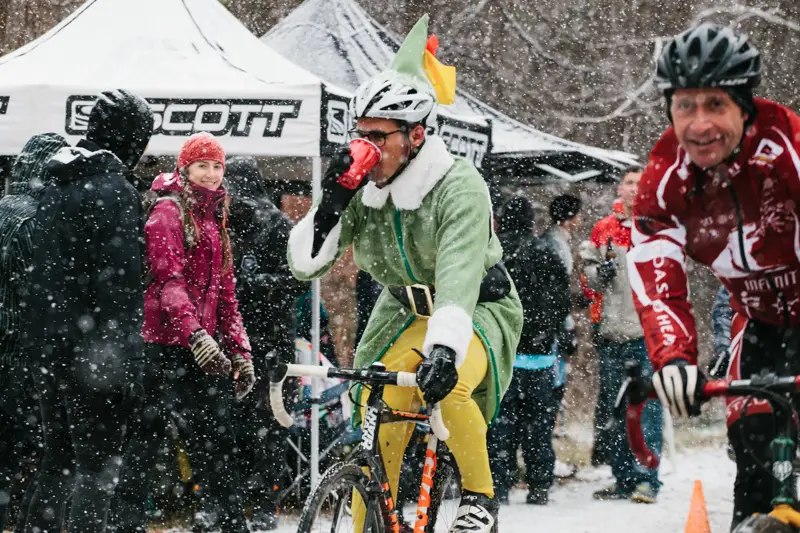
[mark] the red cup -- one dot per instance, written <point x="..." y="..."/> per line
<point x="365" y="156"/>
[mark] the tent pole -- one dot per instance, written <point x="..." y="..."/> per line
<point x="316" y="194"/>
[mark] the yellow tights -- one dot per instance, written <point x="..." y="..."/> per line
<point x="460" y="413"/>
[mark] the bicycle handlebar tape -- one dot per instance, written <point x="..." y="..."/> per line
<point x="406" y="379"/>
<point x="437" y="424"/>
<point x="276" y="396"/>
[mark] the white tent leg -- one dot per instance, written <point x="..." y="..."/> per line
<point x="316" y="193"/>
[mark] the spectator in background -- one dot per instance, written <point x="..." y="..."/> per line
<point x="721" y="318"/>
<point x="20" y="431"/>
<point x="605" y="401"/>
<point x="191" y="314"/>
<point x="267" y="293"/>
<point x="367" y="292"/>
<point x="721" y="321"/>
<point x="541" y="269"/>
<point x="83" y="316"/>
<point x="566" y="346"/>
<point x="326" y="346"/>
<point x="620" y="338"/>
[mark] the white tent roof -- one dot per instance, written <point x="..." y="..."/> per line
<point x="197" y="65"/>
<point x="340" y="42"/>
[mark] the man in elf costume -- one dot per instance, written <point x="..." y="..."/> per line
<point x="422" y="227"/>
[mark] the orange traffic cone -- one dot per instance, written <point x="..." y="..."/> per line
<point x="698" y="515"/>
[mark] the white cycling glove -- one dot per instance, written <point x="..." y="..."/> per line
<point x="677" y="385"/>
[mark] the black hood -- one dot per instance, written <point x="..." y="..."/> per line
<point x="244" y="179"/>
<point x="122" y="123"/>
<point x="84" y="160"/>
<point x="516" y="217"/>
<point x="29" y="175"/>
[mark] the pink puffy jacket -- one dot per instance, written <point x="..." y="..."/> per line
<point x="188" y="288"/>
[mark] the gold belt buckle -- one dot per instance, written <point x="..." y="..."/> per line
<point x="413" y="303"/>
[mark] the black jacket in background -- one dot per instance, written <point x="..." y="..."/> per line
<point x="86" y="286"/>
<point x="265" y="287"/>
<point x="367" y="293"/>
<point x="543" y="284"/>
<point x="17" y="210"/>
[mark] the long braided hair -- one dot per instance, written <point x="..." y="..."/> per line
<point x="186" y="202"/>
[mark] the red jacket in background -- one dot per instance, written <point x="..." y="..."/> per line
<point x="610" y="226"/>
<point x="189" y="290"/>
<point x="742" y="222"/>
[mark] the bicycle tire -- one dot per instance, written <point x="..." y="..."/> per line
<point x="340" y="477"/>
<point x="763" y="524"/>
<point x="446" y="471"/>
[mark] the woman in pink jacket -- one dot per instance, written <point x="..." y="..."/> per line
<point x="194" y="331"/>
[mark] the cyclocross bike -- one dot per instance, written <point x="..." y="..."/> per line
<point x="329" y="506"/>
<point x="778" y="391"/>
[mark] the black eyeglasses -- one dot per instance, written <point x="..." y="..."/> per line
<point x="375" y="136"/>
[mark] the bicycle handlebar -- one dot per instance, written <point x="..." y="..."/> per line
<point x="365" y="375"/>
<point x="711" y="389"/>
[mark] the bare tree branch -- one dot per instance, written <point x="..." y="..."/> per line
<point x="774" y="15"/>
<point x="622" y="110"/>
<point x="617" y="114"/>
<point x="536" y="45"/>
<point x="467" y="14"/>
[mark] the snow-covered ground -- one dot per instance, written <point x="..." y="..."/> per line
<point x="573" y="510"/>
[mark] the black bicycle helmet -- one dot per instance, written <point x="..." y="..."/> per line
<point x="708" y="56"/>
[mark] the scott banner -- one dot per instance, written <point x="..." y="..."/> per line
<point x="245" y="126"/>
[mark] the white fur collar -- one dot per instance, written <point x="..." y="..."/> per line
<point x="416" y="181"/>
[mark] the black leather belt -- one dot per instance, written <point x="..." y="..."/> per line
<point x="419" y="298"/>
<point x="416" y="298"/>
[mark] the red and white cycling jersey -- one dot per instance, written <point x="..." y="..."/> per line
<point x="741" y="220"/>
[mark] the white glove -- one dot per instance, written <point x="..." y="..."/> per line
<point x="677" y="385"/>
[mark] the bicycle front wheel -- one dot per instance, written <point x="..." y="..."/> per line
<point x="341" y="504"/>
<point x="445" y="496"/>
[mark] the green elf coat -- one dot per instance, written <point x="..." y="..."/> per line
<point x="433" y="226"/>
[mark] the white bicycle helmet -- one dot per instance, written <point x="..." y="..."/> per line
<point x="397" y="96"/>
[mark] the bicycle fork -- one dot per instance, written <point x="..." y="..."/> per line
<point x="428" y="473"/>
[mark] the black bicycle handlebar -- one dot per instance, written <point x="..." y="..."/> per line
<point x="364" y="375"/>
<point x="638" y="390"/>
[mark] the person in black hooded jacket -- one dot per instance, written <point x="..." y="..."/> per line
<point x="267" y="293"/>
<point x="86" y="303"/>
<point x="19" y="407"/>
<point x="527" y="413"/>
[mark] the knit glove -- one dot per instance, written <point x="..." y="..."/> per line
<point x="207" y="354"/>
<point x="244" y="376"/>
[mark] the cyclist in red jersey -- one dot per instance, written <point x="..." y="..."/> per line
<point x="722" y="186"/>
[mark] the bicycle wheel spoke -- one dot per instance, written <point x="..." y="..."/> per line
<point x="330" y="508"/>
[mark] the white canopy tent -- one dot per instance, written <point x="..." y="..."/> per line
<point x="338" y="41"/>
<point x="196" y="64"/>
